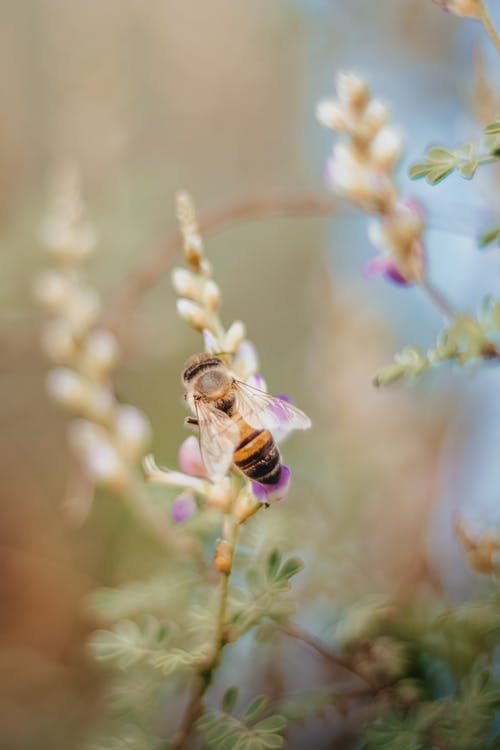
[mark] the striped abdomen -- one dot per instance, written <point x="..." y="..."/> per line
<point x="257" y="455"/>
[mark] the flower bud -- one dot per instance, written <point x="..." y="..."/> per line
<point x="386" y="148"/>
<point x="193" y="249"/>
<point x="69" y="389"/>
<point x="53" y="290"/>
<point x="83" y="310"/>
<point x="352" y="91"/>
<point x="185" y="283"/>
<point x="211" y="295"/>
<point x="223" y="557"/>
<point x="193" y="314"/>
<point x="132" y="431"/>
<point x="374" y="118"/>
<point x="100" y="353"/>
<point x="331" y="115"/>
<point x="212" y="346"/>
<point x="234" y="336"/>
<point x="58" y="342"/>
<point x="246" y="361"/>
<point x="183" y="507"/>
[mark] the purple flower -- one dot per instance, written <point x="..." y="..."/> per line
<point x="183" y="507"/>
<point x="384" y="265"/>
<point x="267" y="493"/>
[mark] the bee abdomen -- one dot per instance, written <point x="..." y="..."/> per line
<point x="258" y="457"/>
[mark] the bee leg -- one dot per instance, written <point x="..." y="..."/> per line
<point x="191" y="422"/>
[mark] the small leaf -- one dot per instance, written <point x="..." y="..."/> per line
<point x="272" y="724"/>
<point x="229" y="700"/>
<point x="290" y="568"/>
<point x="493" y="128"/>
<point x="437" y="175"/>
<point x="418" y="170"/>
<point x="468" y="169"/>
<point x="256" y="707"/>
<point x="440" y="155"/>
<point x="272" y="741"/>
<point x="273" y="563"/>
<point x="490" y="237"/>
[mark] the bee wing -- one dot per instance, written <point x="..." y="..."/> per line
<point x="260" y="409"/>
<point x="219" y="436"/>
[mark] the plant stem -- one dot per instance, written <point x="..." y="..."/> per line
<point x="438" y="300"/>
<point x="328" y="654"/>
<point x="149" y="271"/>
<point x="205" y="674"/>
<point x="488" y="25"/>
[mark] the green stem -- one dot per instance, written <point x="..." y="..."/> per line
<point x="488" y="25"/>
<point x="206" y="672"/>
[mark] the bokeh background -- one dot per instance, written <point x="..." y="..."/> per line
<point x="148" y="97"/>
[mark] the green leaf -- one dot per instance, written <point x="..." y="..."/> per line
<point x="229" y="699"/>
<point x="273" y="563"/>
<point x="493" y="128"/>
<point x="490" y="237"/>
<point x="418" y="170"/>
<point x="290" y="568"/>
<point x="256" y="707"/>
<point x="440" y="155"/>
<point x="468" y="169"/>
<point x="272" y="724"/>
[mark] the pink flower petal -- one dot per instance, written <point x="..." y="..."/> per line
<point x="267" y="493"/>
<point x="383" y="265"/>
<point x="183" y="507"/>
<point x="257" y="381"/>
<point x="189" y="458"/>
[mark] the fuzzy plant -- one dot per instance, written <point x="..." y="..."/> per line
<point x="421" y="673"/>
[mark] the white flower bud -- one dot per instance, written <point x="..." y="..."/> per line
<point x="193" y="314"/>
<point x="386" y="148"/>
<point x="185" y="283"/>
<point x="84" y="310"/>
<point x="100" y="353"/>
<point x="132" y="431"/>
<point x="234" y="336"/>
<point x="58" y="342"/>
<point x="101" y="402"/>
<point x="331" y="115"/>
<point x="352" y="91"/>
<point x="53" y="290"/>
<point x="374" y="118"/>
<point x="68" y="388"/>
<point x="68" y="241"/>
<point x="193" y="248"/>
<point x="101" y="460"/>
<point x="104" y="464"/>
<point x="211" y="295"/>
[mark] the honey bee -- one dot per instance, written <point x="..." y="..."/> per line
<point x="236" y="420"/>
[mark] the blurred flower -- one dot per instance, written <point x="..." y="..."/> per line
<point x="110" y="438"/>
<point x="482" y="550"/>
<point x="189" y="458"/>
<point x="183" y="507"/>
<point x="470" y="8"/>
<point x="362" y="169"/>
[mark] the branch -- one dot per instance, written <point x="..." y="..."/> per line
<point x="488" y="25"/>
<point x="328" y="654"/>
<point x="148" y="272"/>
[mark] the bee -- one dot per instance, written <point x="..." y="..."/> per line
<point x="236" y="420"/>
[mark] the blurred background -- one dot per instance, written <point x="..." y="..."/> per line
<point x="149" y="97"/>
